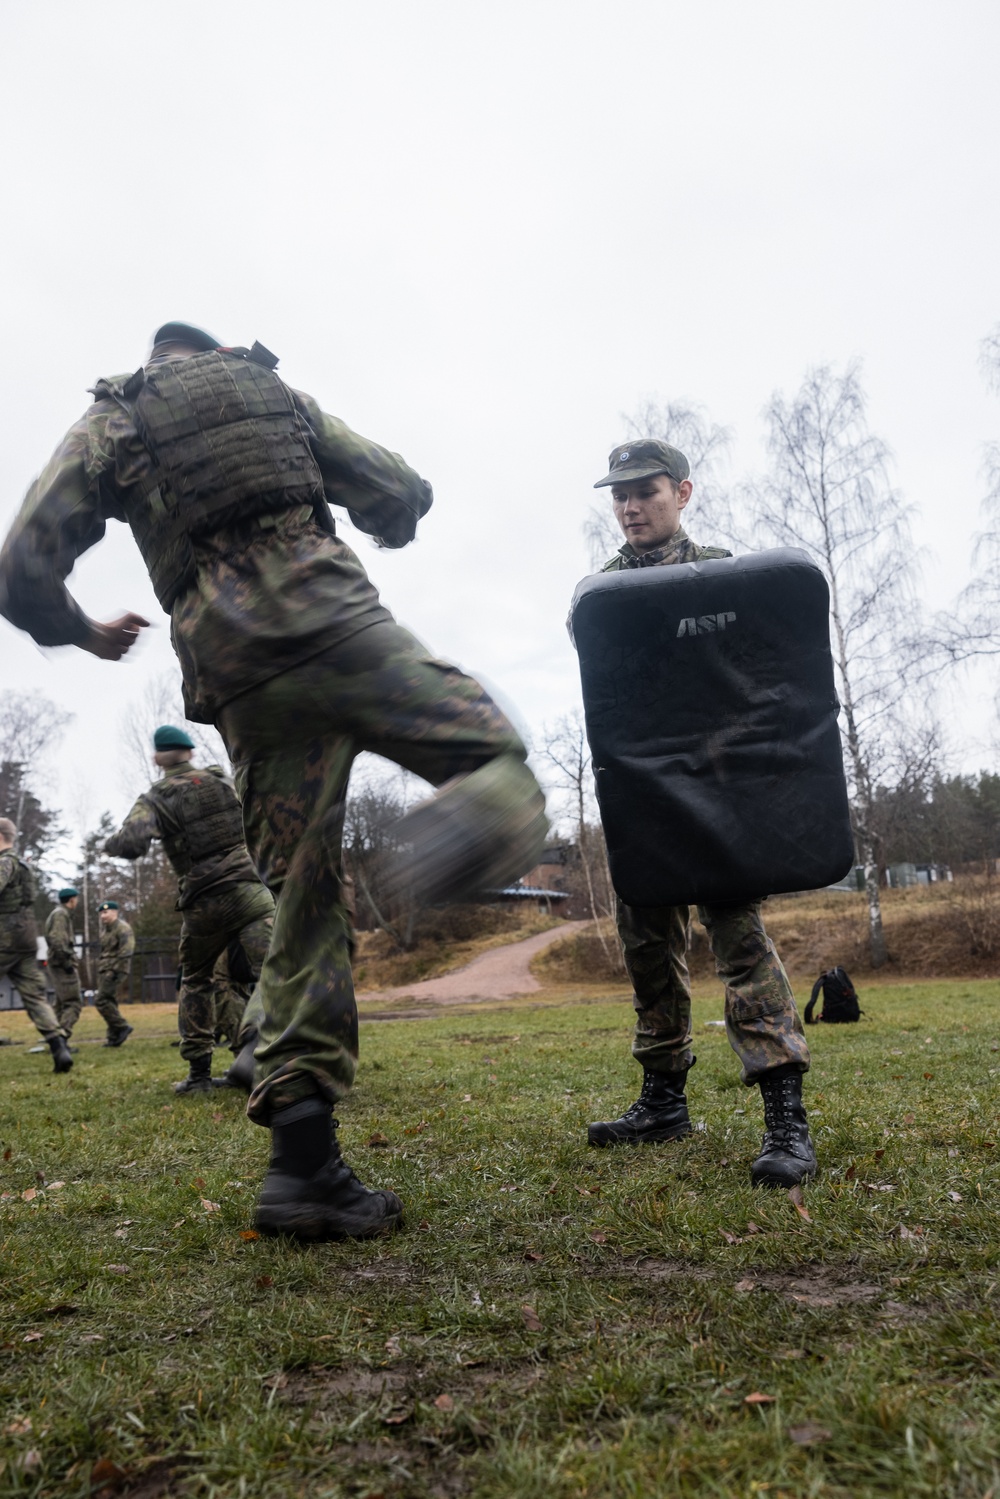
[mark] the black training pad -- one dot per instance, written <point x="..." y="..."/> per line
<point x="717" y="755"/>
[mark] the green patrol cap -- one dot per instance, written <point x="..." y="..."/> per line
<point x="68" y="893"/>
<point x="642" y="459"/>
<point x="108" y="905"/>
<point x="185" y="333"/>
<point x="168" y="736"/>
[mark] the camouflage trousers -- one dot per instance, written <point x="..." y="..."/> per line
<point x="762" y="1022"/>
<point x="229" y="1001"/>
<point x="69" y="999"/>
<point x="236" y="912"/>
<point x="23" y="971"/>
<point x="293" y="741"/>
<point x="106" y="999"/>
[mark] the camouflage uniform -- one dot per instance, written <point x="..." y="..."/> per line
<point x="230" y="994"/>
<point x="59" y="938"/>
<point x="197" y="816"/>
<point x="117" y="947"/>
<point x="762" y="1022"/>
<point x="284" y="644"/>
<point x="19" y="942"/>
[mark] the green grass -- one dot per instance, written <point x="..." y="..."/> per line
<point x="141" y="1330"/>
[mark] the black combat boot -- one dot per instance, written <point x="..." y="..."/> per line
<point x="119" y="1035"/>
<point x="199" y="1078"/>
<point x="239" y="1074"/>
<point x="659" y="1113"/>
<point x="786" y="1153"/>
<point x="309" y="1192"/>
<point x="61" y="1055"/>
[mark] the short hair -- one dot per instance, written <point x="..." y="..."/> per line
<point x="8" y="830"/>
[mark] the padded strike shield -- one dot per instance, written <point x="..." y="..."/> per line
<point x="712" y="719"/>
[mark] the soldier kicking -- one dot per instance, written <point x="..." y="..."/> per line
<point x="650" y="488"/>
<point x="225" y="476"/>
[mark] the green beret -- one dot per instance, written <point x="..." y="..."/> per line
<point x="169" y="737"/>
<point x="185" y="333"/>
<point x="68" y="893"/>
<point x="108" y="905"/>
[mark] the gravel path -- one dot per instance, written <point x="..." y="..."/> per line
<point x="499" y="973"/>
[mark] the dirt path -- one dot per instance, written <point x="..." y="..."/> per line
<point x="499" y="973"/>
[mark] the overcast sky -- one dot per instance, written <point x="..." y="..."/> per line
<point x="479" y="233"/>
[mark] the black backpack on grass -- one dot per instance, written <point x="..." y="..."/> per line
<point x="840" y="1000"/>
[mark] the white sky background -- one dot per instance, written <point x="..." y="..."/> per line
<point x="479" y="233"/>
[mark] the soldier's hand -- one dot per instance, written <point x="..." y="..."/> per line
<point x="110" y="642"/>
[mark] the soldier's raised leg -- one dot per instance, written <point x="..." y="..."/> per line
<point x="765" y="1031"/>
<point x="293" y="741"/>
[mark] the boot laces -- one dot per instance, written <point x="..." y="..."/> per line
<point x="778" y="1122"/>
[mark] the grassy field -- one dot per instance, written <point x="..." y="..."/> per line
<point x="553" y="1321"/>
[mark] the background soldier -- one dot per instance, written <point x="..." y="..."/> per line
<point x="224" y="474"/>
<point x="60" y="939"/>
<point x="197" y="816"/>
<point x="19" y="945"/>
<point x="117" y="947"/>
<point x="650" y="488"/>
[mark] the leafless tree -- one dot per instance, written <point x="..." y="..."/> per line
<point x="30" y="725"/>
<point x="706" y="446"/>
<point x="380" y="793"/>
<point x="828" y="492"/>
<point x="564" y="748"/>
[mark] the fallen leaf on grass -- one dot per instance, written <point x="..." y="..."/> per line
<point x="377" y="1141"/>
<point x="30" y="1194"/>
<point x="249" y="1234"/>
<point x="445" y="1403"/>
<point x="798" y="1203"/>
<point x="415" y="1129"/>
<point x="809" y="1432"/>
<point x="263" y="1281"/>
<point x="92" y="1337"/>
<point x="532" y="1256"/>
<point x="757" y="1398"/>
<point x="218" y="1116"/>
<point x="423" y="1227"/>
<point x="31" y="1460"/>
<point x="118" y="1269"/>
<point x="909" y="1118"/>
<point x="32" y="1337"/>
<point x="549" y="1190"/>
<point x="392" y="1347"/>
<point x="754" y="1228"/>
<point x="915" y="1232"/>
<point x="532" y="1321"/>
<point x="54" y="1186"/>
<point x="396" y="1418"/>
<point x="7" y="1154"/>
<point x="106" y="1474"/>
<point x="745" y="1285"/>
<point x="955" y="1196"/>
<point x="19" y="1428"/>
<point x="599" y="1238"/>
<point x="880" y="1153"/>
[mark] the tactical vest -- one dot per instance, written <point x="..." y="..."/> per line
<point x="19" y="891"/>
<point x="227" y="444"/>
<point x="208" y="813"/>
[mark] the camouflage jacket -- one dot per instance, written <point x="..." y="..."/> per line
<point x="680" y="548"/>
<point x="269" y="593"/>
<point x="59" y="938"/>
<point x="117" y="946"/>
<point x="18" y="931"/>
<point x="156" y="815"/>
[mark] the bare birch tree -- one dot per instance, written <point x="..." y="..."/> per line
<point x="828" y="492"/>
<point x="706" y="447"/>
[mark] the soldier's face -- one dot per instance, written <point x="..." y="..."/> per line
<point x="72" y="903"/>
<point x="649" y="510"/>
<point x="109" y="917"/>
